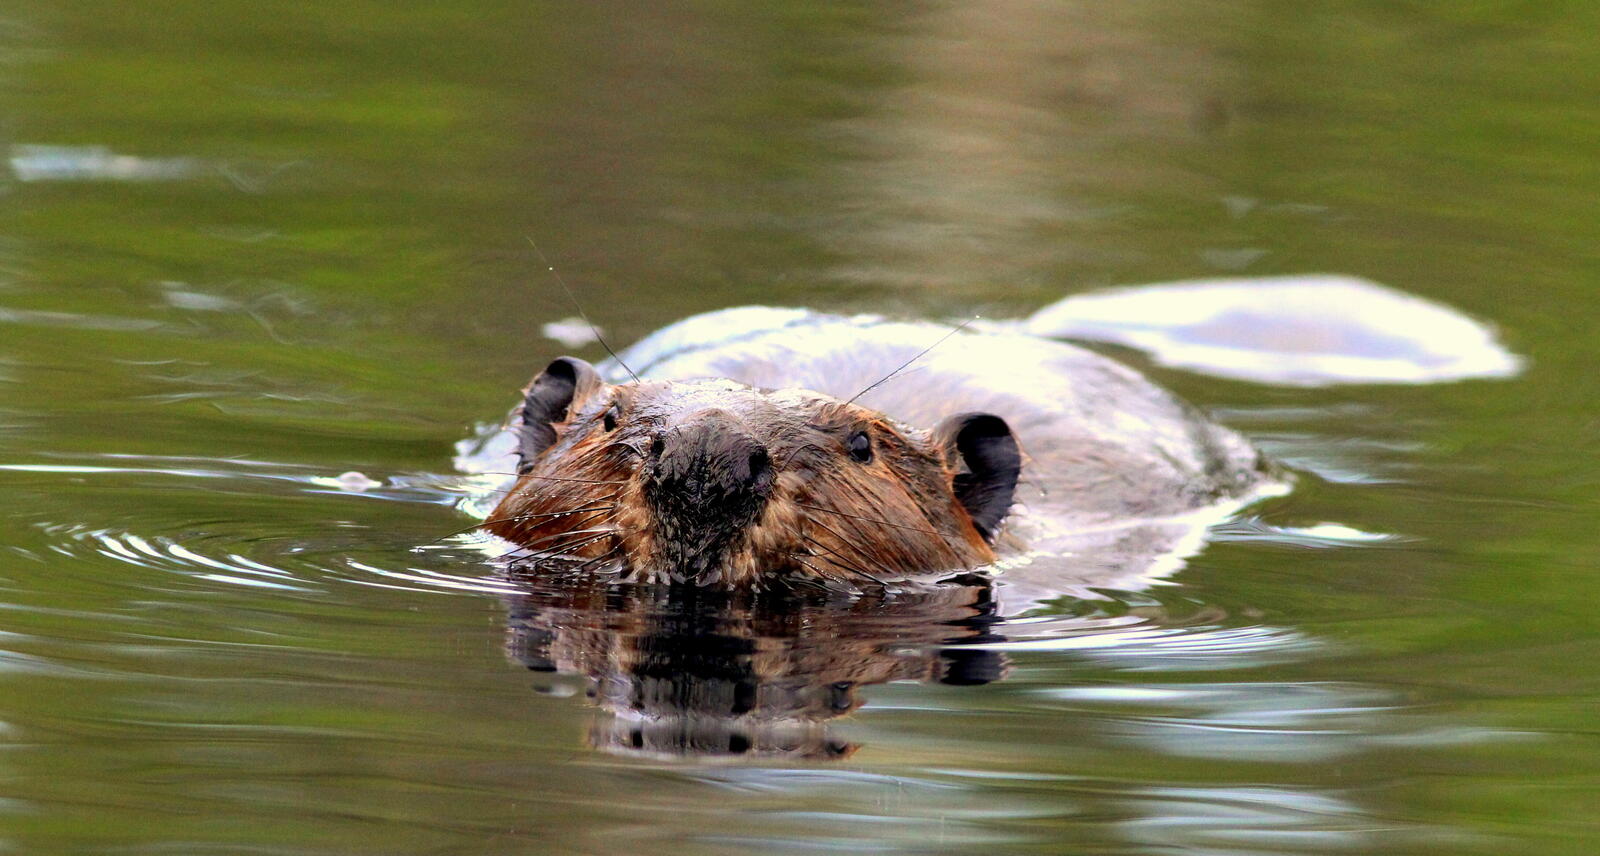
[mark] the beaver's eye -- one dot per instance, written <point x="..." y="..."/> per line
<point x="610" y="419"/>
<point x="860" y="446"/>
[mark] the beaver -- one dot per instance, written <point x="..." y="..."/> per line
<point x="754" y="445"/>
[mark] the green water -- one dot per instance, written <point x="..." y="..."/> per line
<point x="318" y="262"/>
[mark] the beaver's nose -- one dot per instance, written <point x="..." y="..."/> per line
<point x="707" y="482"/>
<point x="711" y="458"/>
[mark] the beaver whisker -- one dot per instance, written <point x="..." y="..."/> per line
<point x="832" y="561"/>
<point x="551" y="553"/>
<point x="539" y="561"/>
<point x="606" y="527"/>
<point x="534" y="515"/>
<point x="804" y="447"/>
<point x="550" y="478"/>
<point x="557" y="550"/>
<point x="578" y="306"/>
<point x="844" y="540"/>
<point x="838" y="560"/>
<point x="824" y="577"/>
<point x="521" y="517"/>
<point x="550" y="496"/>
<point x="483" y="523"/>
<point x="813" y="568"/>
<point x="538" y="495"/>
<point x="589" y="531"/>
<point x="873" y="520"/>
<point x="924" y="352"/>
<point x="600" y="558"/>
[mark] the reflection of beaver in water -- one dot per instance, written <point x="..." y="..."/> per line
<point x="781" y="452"/>
<point x="682" y="670"/>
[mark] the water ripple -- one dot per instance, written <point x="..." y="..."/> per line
<point x="1153" y="647"/>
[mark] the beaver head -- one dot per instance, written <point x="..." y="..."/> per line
<point x="714" y="482"/>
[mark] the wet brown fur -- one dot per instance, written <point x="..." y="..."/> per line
<point x="828" y="516"/>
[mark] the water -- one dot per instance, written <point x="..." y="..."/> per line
<point x="248" y="247"/>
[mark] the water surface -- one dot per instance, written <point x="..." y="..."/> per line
<point x="248" y="247"/>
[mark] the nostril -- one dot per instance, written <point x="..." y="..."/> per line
<point x="760" y="464"/>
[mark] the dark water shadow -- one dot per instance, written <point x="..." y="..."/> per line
<point x="684" y="671"/>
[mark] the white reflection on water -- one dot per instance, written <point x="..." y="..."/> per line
<point x="274" y="565"/>
<point x="1214" y="820"/>
<point x="859" y="811"/>
<point x="1318" y="536"/>
<point x="163" y="553"/>
<point x="1311" y="330"/>
<point x="1342" y="460"/>
<point x="94" y="163"/>
<point x="352" y="482"/>
<point x="1151" y="647"/>
<point x="1283" y="722"/>
<point x="80" y="321"/>
<point x="209" y="553"/>
<point x="571" y="332"/>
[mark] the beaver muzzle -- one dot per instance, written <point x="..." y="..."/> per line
<point x="707" y="481"/>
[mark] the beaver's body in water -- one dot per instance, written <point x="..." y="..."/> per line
<point x="760" y="444"/>
<point x="1081" y="477"/>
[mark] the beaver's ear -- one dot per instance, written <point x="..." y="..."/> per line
<point x="558" y="392"/>
<point x="987" y="462"/>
